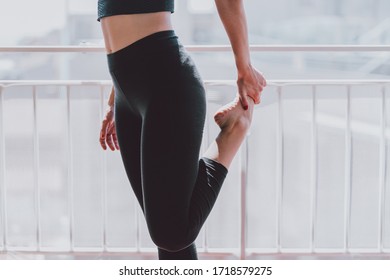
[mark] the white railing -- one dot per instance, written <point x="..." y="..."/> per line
<point x="280" y="87"/>
<point x="210" y="48"/>
<point x="244" y="252"/>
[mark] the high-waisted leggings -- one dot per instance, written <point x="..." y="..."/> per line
<point x="160" y="110"/>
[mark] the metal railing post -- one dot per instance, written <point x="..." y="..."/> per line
<point x="279" y="167"/>
<point x="104" y="177"/>
<point x="3" y="187"/>
<point x="314" y="164"/>
<point x="37" y="189"/>
<point x="138" y="226"/>
<point x="243" y="205"/>
<point x="382" y="171"/>
<point x="70" y="170"/>
<point x="348" y="174"/>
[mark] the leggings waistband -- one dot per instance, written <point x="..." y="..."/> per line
<point x="144" y="46"/>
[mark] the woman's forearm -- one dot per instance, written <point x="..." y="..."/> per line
<point x="111" y="98"/>
<point x="250" y="81"/>
<point x="233" y="17"/>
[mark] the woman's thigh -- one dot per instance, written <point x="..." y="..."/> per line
<point x="172" y="133"/>
<point x="128" y="129"/>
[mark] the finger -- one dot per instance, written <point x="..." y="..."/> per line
<point x="109" y="142"/>
<point x="103" y="143"/>
<point x="103" y="134"/>
<point x="103" y="130"/>
<point x="112" y="132"/>
<point x="262" y="79"/>
<point x="244" y="101"/>
<point x="252" y="98"/>
<point x="255" y="95"/>
<point x="260" y="91"/>
<point x="115" y="141"/>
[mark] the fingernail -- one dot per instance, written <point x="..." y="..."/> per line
<point x="245" y="107"/>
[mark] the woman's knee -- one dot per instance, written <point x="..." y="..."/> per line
<point x="171" y="242"/>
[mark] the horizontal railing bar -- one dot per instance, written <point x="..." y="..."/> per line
<point x="151" y="253"/>
<point x="210" y="48"/>
<point x="321" y="255"/>
<point x="305" y="82"/>
<point x="10" y="83"/>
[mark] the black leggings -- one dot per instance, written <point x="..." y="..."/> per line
<point x="160" y="110"/>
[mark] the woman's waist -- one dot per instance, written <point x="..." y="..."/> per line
<point x="121" y="31"/>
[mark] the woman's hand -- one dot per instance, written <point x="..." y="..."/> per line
<point x="108" y="131"/>
<point x="250" y="83"/>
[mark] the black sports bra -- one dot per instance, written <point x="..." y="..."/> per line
<point x="123" y="7"/>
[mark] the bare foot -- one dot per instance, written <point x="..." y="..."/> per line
<point x="232" y="115"/>
<point x="234" y="122"/>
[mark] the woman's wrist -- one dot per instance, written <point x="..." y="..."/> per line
<point x="243" y="70"/>
<point x="243" y="60"/>
<point x="110" y="102"/>
<point x="110" y="108"/>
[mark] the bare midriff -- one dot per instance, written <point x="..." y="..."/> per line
<point x="120" y="31"/>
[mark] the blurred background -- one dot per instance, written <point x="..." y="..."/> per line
<point x="310" y="181"/>
<point x="73" y="22"/>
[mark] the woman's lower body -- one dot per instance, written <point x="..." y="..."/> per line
<point x="160" y="110"/>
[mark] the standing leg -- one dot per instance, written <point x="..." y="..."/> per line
<point x="128" y="128"/>
<point x="171" y="138"/>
